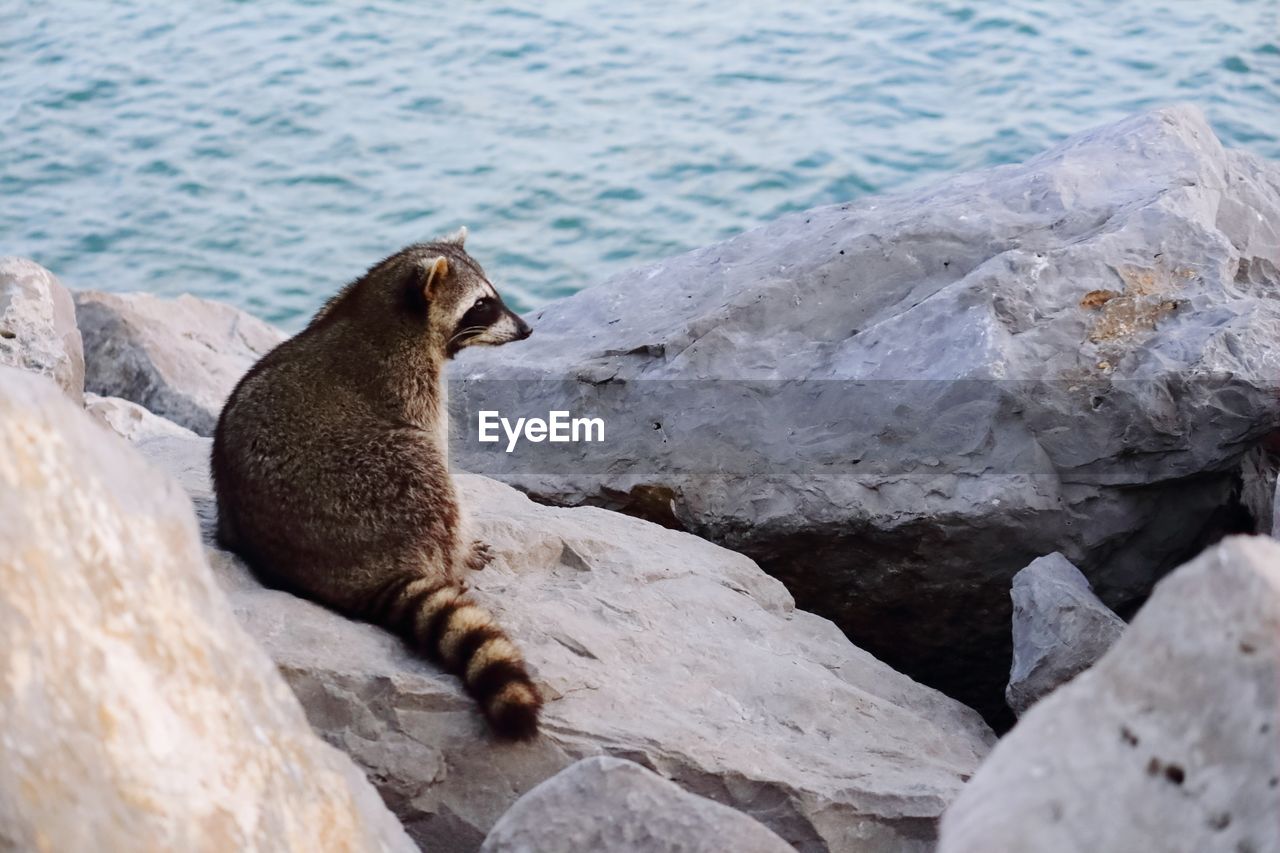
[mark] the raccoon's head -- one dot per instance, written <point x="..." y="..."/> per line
<point x="462" y="307"/>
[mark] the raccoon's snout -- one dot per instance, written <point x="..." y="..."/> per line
<point x="522" y="328"/>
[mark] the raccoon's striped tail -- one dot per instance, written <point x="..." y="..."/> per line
<point x="449" y="627"/>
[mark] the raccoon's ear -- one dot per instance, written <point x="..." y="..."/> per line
<point x="457" y="238"/>
<point x="437" y="269"/>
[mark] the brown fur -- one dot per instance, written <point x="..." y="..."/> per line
<point x="331" y="468"/>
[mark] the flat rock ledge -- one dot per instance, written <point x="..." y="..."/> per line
<point x="1171" y="742"/>
<point x="651" y="645"/>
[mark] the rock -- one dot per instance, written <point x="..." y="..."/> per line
<point x="896" y="404"/>
<point x="179" y="358"/>
<point x="1060" y="629"/>
<point x="1258" y="469"/>
<point x="38" y="325"/>
<point x="608" y="805"/>
<point x="164" y="443"/>
<point x="133" y="709"/>
<point x="1275" y="515"/>
<point x="650" y="645"/>
<point x="1168" y="743"/>
<point x="130" y="421"/>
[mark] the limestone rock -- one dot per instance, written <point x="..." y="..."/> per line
<point x="651" y="645"/>
<point x="1258" y="470"/>
<point x="1168" y="743"/>
<point x="164" y="443"/>
<point x="179" y="358"/>
<point x="130" y="421"/>
<point x="133" y="709"/>
<point x="38" y="325"/>
<point x="1275" y="514"/>
<point x="894" y="405"/>
<point x="1060" y="629"/>
<point x="608" y="805"/>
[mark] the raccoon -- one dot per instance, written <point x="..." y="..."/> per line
<point x="330" y="465"/>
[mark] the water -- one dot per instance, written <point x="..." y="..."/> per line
<point x="265" y="153"/>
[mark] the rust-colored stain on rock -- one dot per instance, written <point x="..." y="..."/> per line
<point x="1145" y="300"/>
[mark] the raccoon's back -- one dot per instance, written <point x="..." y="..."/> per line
<point x="272" y="454"/>
<point x="251" y="433"/>
<point x="308" y="472"/>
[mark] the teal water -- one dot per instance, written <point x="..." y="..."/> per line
<point x="264" y="153"/>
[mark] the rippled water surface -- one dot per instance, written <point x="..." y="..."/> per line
<point x="267" y="152"/>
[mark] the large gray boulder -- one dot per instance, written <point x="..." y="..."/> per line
<point x="896" y="404"/>
<point x="1060" y="629"/>
<point x="609" y="805"/>
<point x="38" y="325"/>
<point x="134" y="712"/>
<point x="1169" y="743"/>
<point x="179" y="358"/>
<point x="650" y="645"/>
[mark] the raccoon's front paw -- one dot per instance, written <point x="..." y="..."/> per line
<point x="481" y="555"/>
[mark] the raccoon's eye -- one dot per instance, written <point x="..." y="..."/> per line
<point x="482" y="312"/>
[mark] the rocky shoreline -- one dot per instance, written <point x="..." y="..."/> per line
<point x="1120" y="294"/>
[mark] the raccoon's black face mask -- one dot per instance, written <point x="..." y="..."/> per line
<point x="461" y="303"/>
